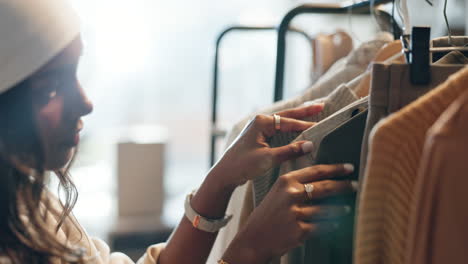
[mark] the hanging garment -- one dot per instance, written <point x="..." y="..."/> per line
<point x="395" y="153"/>
<point x="341" y="72"/>
<point x="388" y="95"/>
<point x="339" y="146"/>
<point x="320" y="247"/>
<point x="438" y="233"/>
<point x="391" y="90"/>
<point x="342" y="145"/>
<point x="339" y="99"/>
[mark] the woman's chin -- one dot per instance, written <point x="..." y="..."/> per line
<point x="60" y="160"/>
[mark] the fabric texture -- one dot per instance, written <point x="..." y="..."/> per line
<point x="437" y="231"/>
<point x="396" y="147"/>
<point x="391" y="89"/>
<point x="33" y="32"/>
<point x="96" y="250"/>
<point x="341" y="72"/>
<point x="318" y="249"/>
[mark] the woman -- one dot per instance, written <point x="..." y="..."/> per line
<point x="41" y="105"/>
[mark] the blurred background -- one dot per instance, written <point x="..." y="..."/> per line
<point x="148" y="68"/>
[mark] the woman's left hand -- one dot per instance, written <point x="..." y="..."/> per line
<point x="250" y="156"/>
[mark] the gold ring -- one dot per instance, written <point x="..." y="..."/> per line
<point x="277" y="122"/>
<point x="309" y="188"/>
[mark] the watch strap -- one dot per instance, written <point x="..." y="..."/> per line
<point x="203" y="223"/>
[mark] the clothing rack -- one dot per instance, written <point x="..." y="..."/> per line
<point x="215" y="131"/>
<point x="362" y="7"/>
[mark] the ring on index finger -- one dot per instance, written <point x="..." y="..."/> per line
<point x="277" y="120"/>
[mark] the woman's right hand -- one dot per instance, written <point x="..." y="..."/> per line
<point x="287" y="217"/>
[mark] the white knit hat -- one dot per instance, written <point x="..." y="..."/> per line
<point x="32" y="32"/>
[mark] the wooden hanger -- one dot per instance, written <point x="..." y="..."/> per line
<point x="327" y="49"/>
<point x="386" y="54"/>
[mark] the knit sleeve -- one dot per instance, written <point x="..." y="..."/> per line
<point x="437" y="231"/>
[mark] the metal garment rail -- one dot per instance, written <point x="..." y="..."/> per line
<point x="215" y="131"/>
<point x="363" y="7"/>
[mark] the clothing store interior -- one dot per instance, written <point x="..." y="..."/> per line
<point x="177" y="86"/>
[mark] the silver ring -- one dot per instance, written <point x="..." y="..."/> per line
<point x="309" y="188"/>
<point x="277" y="122"/>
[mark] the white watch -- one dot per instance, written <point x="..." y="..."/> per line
<point x="203" y="223"/>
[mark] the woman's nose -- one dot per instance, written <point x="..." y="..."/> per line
<point x="81" y="104"/>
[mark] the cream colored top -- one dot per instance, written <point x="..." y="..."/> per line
<point x="97" y="251"/>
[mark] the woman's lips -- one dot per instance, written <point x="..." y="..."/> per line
<point x="76" y="139"/>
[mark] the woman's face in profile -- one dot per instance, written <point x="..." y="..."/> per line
<point x="59" y="102"/>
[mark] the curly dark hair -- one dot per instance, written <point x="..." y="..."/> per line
<point x="25" y="236"/>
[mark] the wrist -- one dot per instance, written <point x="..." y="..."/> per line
<point x="213" y="196"/>
<point x="223" y="179"/>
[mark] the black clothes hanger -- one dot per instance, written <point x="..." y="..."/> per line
<point x="420" y="39"/>
<point x="419" y="54"/>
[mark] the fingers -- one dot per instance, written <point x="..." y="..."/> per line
<point x="329" y="188"/>
<point x="302" y="112"/>
<point x="320" y="190"/>
<point x="312" y="229"/>
<point x="294" y="125"/>
<point x="266" y="124"/>
<point x="323" y="172"/>
<point x="322" y="212"/>
<point x="291" y="151"/>
<point x="321" y="178"/>
<point x="286" y="125"/>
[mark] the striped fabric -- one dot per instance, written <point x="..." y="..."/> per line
<point x="396" y="146"/>
<point x="438" y="232"/>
